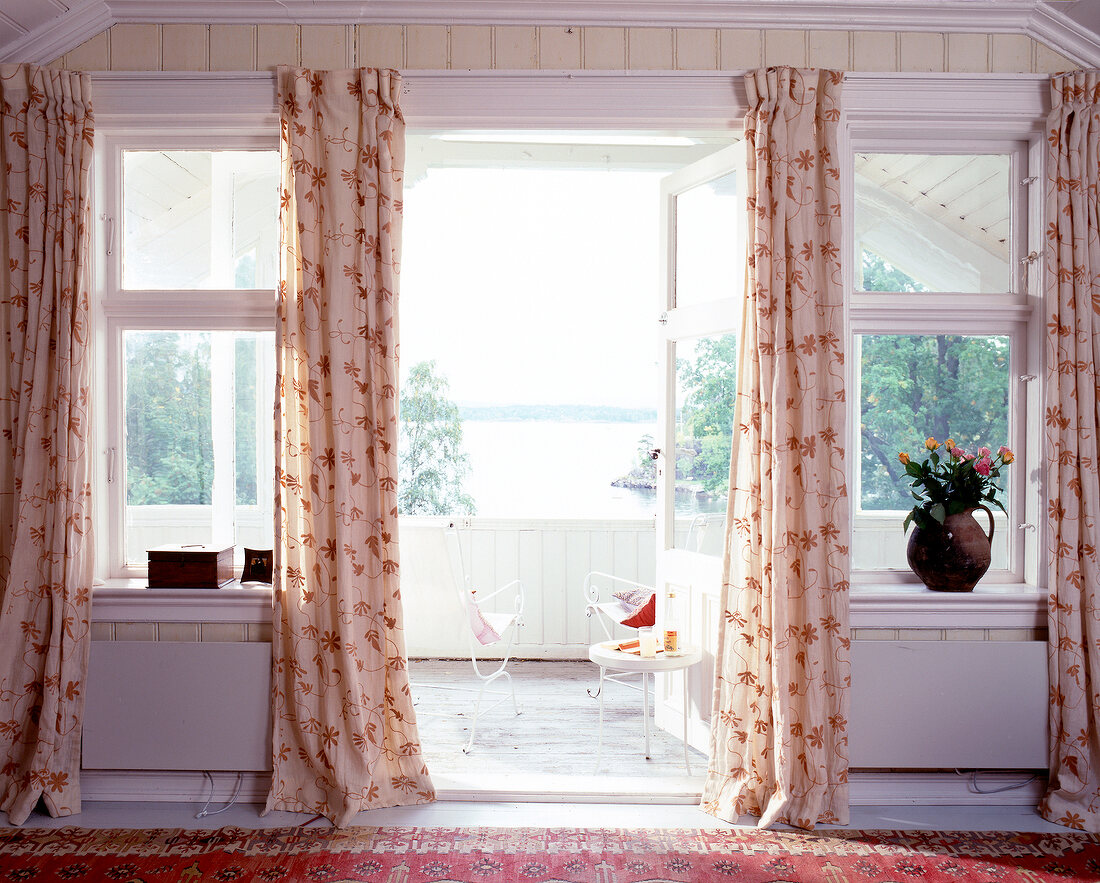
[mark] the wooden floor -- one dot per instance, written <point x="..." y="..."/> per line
<point x="556" y="734"/>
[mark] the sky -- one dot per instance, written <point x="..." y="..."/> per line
<point x="571" y="321"/>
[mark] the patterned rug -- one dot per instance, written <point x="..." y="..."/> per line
<point x="549" y="855"/>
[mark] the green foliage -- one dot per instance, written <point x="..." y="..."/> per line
<point x="878" y="275"/>
<point x="244" y="415"/>
<point x="705" y="437"/>
<point x="169" y="451"/>
<point x="431" y="463"/>
<point x="913" y="385"/>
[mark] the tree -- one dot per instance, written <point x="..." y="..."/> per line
<point x="431" y="463"/>
<point x="915" y="386"/>
<point x="705" y="439"/>
<point x="169" y="448"/>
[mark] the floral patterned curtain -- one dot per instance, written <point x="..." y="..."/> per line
<point x="1072" y="300"/>
<point x="779" y="742"/>
<point x="45" y="546"/>
<point x="345" y="735"/>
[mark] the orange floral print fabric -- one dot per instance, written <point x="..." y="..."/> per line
<point x="1072" y="297"/>
<point x="45" y="543"/>
<point x="345" y="735"/>
<point x="779" y="741"/>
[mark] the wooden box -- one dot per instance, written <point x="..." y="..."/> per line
<point x="192" y="566"/>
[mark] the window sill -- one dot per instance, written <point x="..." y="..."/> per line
<point x="131" y="600"/>
<point x="993" y="605"/>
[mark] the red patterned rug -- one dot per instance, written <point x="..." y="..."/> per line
<point x="549" y="855"/>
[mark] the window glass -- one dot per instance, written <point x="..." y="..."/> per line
<point x="199" y="444"/>
<point x="709" y="264"/>
<point x="913" y="386"/>
<point x="199" y="219"/>
<point x="932" y="222"/>
<point x="706" y="394"/>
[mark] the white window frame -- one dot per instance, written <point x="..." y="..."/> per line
<point x="118" y="310"/>
<point x="1016" y="314"/>
<point x="903" y="106"/>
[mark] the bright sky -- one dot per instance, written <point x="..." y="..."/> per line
<point x="533" y="286"/>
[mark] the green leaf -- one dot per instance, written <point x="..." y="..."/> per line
<point x="938" y="513"/>
<point x="905" y="524"/>
<point x="913" y="469"/>
<point x="954" y="507"/>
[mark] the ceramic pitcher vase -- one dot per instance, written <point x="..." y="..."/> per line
<point x="953" y="556"/>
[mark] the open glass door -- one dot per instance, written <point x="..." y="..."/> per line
<point x="703" y="220"/>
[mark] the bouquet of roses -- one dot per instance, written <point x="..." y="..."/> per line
<point x="952" y="482"/>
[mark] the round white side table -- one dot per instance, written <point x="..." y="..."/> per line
<point x="608" y="658"/>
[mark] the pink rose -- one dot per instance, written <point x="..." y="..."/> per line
<point x="958" y="452"/>
<point x="983" y="466"/>
<point x="985" y="453"/>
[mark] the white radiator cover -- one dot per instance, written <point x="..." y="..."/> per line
<point x="948" y="704"/>
<point x="914" y="705"/>
<point x="178" y="706"/>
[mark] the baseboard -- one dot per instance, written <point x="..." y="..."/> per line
<point x="944" y="788"/>
<point x="171" y="786"/>
<point x="865" y="788"/>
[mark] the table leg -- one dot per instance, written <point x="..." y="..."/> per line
<point x="599" y="745"/>
<point x="687" y="756"/>
<point x="645" y="709"/>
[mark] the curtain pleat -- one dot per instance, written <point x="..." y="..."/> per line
<point x="1072" y="421"/>
<point x="779" y="726"/>
<point x="46" y="130"/>
<point x="345" y="735"/>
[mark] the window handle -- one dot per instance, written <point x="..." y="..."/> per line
<point x="110" y="465"/>
<point x="110" y="224"/>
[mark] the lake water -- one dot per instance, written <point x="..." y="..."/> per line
<point x="550" y="469"/>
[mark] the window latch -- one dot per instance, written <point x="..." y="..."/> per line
<point x="1027" y="182"/>
<point x="662" y="319"/>
<point x="654" y="453"/>
<point x="1031" y="258"/>
<point x="1026" y="526"/>
<point x="1027" y="378"/>
<point x="110" y="465"/>
<point x="109" y="222"/>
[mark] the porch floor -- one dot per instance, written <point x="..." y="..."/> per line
<point x="555" y="736"/>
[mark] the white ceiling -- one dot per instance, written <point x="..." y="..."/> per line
<point x="41" y="30"/>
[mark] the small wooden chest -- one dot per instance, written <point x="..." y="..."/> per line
<point x="192" y="566"/>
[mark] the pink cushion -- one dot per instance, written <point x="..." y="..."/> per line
<point x="646" y="615"/>
<point x="482" y="628"/>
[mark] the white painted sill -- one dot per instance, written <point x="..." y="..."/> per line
<point x="885" y="606"/>
<point x="131" y="600"/>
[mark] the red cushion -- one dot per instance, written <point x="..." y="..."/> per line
<point x="644" y="615"/>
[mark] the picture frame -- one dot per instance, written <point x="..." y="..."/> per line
<point x="258" y="565"/>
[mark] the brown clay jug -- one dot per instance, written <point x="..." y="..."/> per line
<point x="953" y="556"/>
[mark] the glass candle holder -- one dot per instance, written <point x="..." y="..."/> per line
<point x="647" y="642"/>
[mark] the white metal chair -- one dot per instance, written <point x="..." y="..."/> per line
<point x="484" y="628"/>
<point x="609" y="613"/>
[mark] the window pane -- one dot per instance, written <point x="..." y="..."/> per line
<point x="932" y="223"/>
<point x="706" y="393"/>
<point x="200" y="219"/>
<point x="199" y="441"/>
<point x="913" y="387"/>
<point x="709" y="265"/>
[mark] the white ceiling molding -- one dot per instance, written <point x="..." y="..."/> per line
<point x="1035" y="18"/>
<point x="53" y="39"/>
<point x="955" y="15"/>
